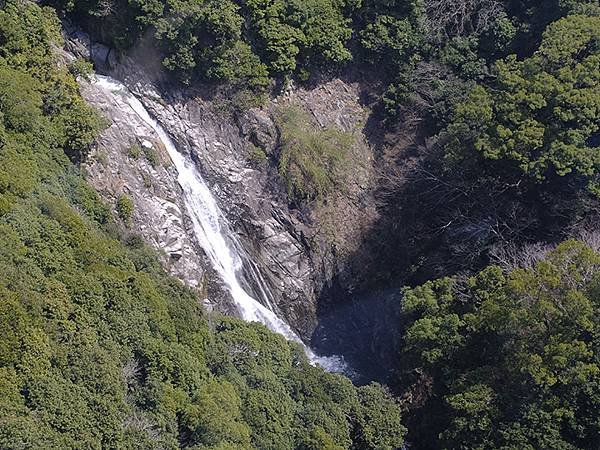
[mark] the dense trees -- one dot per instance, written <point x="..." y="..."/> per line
<point x="542" y="112"/>
<point x="493" y="133"/>
<point x="240" y="41"/>
<point x="512" y="358"/>
<point x="294" y="37"/>
<point x="98" y="347"/>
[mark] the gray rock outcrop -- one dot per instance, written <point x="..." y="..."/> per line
<point x="296" y="251"/>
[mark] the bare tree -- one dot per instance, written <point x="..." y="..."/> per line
<point x="105" y="8"/>
<point x="141" y="422"/>
<point x="510" y="256"/>
<point x="448" y="18"/>
<point x="591" y="236"/>
<point x="130" y="372"/>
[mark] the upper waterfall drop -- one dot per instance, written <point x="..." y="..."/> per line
<point x="214" y="233"/>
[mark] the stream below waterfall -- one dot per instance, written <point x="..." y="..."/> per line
<point x="362" y="328"/>
<point x="216" y="237"/>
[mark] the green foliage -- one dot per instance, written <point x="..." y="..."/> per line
<point x="391" y="40"/>
<point x="28" y="34"/>
<point x="149" y="152"/>
<point x="215" y="417"/>
<point x="380" y="422"/>
<point x="134" y="151"/>
<point x="257" y="154"/>
<point x="125" y="208"/>
<point x="81" y="68"/>
<point x="246" y="75"/>
<point x="461" y="55"/>
<point x="325" y="28"/>
<point x="102" y="158"/>
<point x="508" y="354"/>
<point x="312" y="161"/>
<point x="319" y="440"/>
<point x="424" y="47"/>
<point x="238" y="65"/>
<point x="238" y="41"/>
<point x="100" y="349"/>
<point x="242" y="42"/>
<point x="541" y="112"/>
<point x="277" y="39"/>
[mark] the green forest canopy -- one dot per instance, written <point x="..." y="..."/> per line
<point x="541" y="112"/>
<point x="512" y="360"/>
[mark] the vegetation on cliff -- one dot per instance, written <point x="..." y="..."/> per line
<point x="313" y="161"/>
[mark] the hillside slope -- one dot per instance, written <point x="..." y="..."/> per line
<point x="99" y="347"/>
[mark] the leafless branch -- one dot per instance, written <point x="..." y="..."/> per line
<point x="448" y="18"/>
<point x="510" y="256"/>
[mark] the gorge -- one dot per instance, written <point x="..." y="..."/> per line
<point x="299" y="224"/>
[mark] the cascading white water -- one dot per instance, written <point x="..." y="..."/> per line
<point x="214" y="234"/>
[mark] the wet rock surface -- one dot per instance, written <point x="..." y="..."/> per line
<point x="119" y="166"/>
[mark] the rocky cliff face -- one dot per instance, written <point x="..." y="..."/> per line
<point x="297" y="251"/>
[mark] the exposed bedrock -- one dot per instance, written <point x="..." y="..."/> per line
<point x="298" y="251"/>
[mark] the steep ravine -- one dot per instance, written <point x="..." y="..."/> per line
<point x="298" y="252"/>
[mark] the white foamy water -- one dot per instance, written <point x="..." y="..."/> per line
<point x="215" y="235"/>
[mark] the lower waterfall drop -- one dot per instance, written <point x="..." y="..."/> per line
<point x="213" y="232"/>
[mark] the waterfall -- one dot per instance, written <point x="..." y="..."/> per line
<point x="215" y="235"/>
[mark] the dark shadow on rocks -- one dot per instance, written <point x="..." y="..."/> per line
<point x="434" y="224"/>
<point x="362" y="327"/>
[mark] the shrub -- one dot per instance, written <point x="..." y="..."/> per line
<point x="152" y="156"/>
<point x="257" y="154"/>
<point x="102" y="158"/>
<point x="237" y="64"/>
<point x="81" y="68"/>
<point x="312" y="160"/>
<point x="125" y="208"/>
<point x="134" y="151"/>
